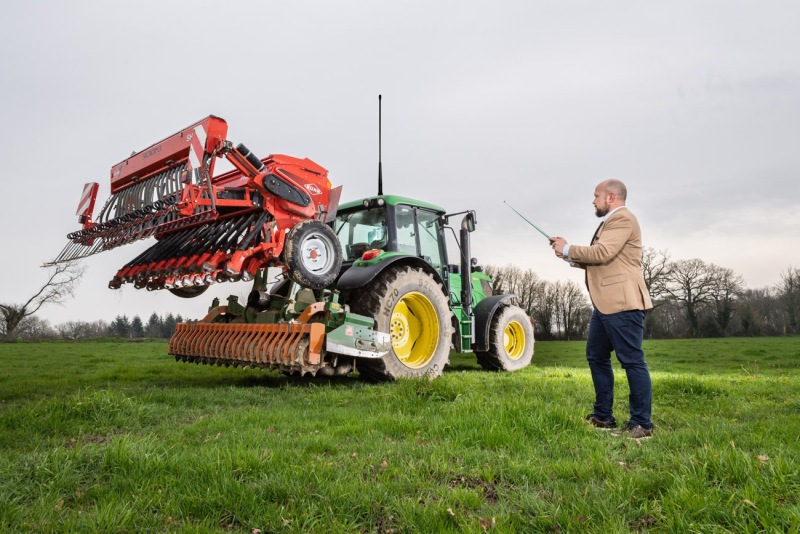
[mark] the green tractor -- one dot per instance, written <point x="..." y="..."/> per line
<point x="396" y="310"/>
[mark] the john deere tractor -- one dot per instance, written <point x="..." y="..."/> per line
<point x="396" y="271"/>
<point x="396" y="310"/>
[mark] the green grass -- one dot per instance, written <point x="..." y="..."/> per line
<point x="117" y="437"/>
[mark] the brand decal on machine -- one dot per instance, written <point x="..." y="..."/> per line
<point x="313" y="189"/>
<point x="151" y="152"/>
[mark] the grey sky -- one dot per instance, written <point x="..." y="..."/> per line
<point x="694" y="104"/>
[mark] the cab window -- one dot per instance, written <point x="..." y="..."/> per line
<point x="360" y="231"/>
<point x="413" y="224"/>
<point x="429" y="224"/>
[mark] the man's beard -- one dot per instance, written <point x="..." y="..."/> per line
<point x="601" y="212"/>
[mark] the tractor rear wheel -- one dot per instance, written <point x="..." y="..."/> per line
<point x="411" y="307"/>
<point x="510" y="341"/>
<point x="313" y="254"/>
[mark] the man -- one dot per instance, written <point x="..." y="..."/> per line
<point x="613" y="265"/>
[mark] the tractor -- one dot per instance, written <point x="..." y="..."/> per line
<point x="366" y="285"/>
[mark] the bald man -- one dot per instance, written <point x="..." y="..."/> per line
<point x="613" y="265"/>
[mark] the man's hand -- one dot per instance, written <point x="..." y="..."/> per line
<point x="557" y="243"/>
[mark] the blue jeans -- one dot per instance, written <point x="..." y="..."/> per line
<point x="621" y="332"/>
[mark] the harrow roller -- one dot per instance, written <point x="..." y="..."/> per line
<point x="290" y="347"/>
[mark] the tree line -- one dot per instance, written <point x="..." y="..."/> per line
<point x="19" y="320"/>
<point x="157" y="326"/>
<point x="691" y="298"/>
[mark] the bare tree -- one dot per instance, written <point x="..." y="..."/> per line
<point x="665" y="321"/>
<point x="60" y="284"/>
<point x="690" y="283"/>
<point x="535" y="296"/>
<point x="33" y="327"/>
<point x="544" y="306"/>
<point x="573" y="309"/>
<point x="759" y="313"/>
<point x="83" y="329"/>
<point x="726" y="288"/>
<point x="789" y="291"/>
<point x="656" y="268"/>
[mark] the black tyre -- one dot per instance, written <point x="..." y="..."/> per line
<point x="188" y="292"/>
<point x="410" y="305"/>
<point x="313" y="254"/>
<point x="510" y="341"/>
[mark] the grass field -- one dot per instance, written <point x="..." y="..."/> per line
<point x="117" y="437"/>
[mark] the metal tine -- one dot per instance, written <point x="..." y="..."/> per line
<point x="136" y="197"/>
<point x="124" y="200"/>
<point x="71" y="251"/>
<point x="110" y="231"/>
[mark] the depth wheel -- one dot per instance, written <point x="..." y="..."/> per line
<point x="313" y="254"/>
<point x="411" y="307"/>
<point x="188" y="292"/>
<point x="510" y="341"/>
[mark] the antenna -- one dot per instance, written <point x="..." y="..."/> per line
<point x="380" y="165"/>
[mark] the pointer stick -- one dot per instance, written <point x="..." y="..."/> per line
<point x="526" y="220"/>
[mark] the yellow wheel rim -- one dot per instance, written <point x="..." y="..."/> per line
<point x="414" y="330"/>
<point x="514" y="340"/>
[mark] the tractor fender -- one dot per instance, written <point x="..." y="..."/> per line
<point x="356" y="276"/>
<point x="484" y="312"/>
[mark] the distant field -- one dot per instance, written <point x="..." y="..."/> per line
<point x="117" y="437"/>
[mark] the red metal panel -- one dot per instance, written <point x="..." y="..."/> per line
<point x="174" y="149"/>
<point x="88" y="197"/>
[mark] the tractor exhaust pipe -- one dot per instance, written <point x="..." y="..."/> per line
<point x="467" y="226"/>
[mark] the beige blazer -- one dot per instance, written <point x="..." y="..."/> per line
<point x="613" y="264"/>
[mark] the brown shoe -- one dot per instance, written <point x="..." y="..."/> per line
<point x="600" y="423"/>
<point x="640" y="432"/>
<point x="633" y="431"/>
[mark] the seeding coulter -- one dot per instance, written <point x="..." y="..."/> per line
<point x="365" y="285"/>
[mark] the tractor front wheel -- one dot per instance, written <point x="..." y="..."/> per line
<point x="510" y="341"/>
<point x="411" y="307"/>
<point x="313" y="254"/>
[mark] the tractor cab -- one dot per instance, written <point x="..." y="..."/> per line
<point x="376" y="232"/>
<point x="392" y="225"/>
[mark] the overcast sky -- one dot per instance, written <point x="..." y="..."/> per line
<point x="695" y="105"/>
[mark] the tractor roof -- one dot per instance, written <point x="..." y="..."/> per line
<point x="393" y="200"/>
